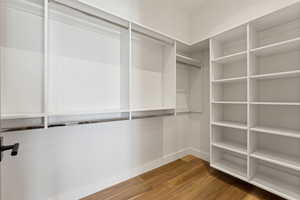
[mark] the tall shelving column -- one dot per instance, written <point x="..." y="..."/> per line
<point x="272" y="103"/>
<point x="229" y="124"/>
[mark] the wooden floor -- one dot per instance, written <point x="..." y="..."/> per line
<point x="184" y="179"/>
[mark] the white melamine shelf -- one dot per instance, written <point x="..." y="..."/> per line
<point x="277" y="131"/>
<point x="288" y="74"/>
<point x="229" y="102"/>
<point x="231" y="168"/>
<point x="279" y="47"/>
<point x="188" y="60"/>
<point x="276" y="186"/>
<point x="89" y="112"/>
<point x="229" y="80"/>
<point x="277" y="103"/>
<point x="230" y="124"/>
<point x="277" y="158"/>
<point x="151" y="109"/>
<point x="22" y="116"/>
<point x="231" y="146"/>
<point x="230" y="58"/>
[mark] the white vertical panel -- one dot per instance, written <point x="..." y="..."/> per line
<point x="22" y="57"/>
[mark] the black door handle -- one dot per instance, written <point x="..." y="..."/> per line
<point x="14" y="148"/>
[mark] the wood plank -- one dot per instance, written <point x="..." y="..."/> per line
<point x="188" y="178"/>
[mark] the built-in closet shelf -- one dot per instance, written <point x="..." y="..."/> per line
<point x="277" y="131"/>
<point x="279" y="47"/>
<point x="254" y="85"/>
<point x="277" y="103"/>
<point x="151" y="109"/>
<point x="22" y="116"/>
<point x="106" y="111"/>
<point x="231" y="146"/>
<point x="288" y="74"/>
<point x="230" y="58"/>
<point x="230" y="80"/>
<point x="188" y="60"/>
<point x="229" y="102"/>
<point x="230" y="124"/>
<point x="276" y="186"/>
<point x="231" y="168"/>
<point x="277" y="158"/>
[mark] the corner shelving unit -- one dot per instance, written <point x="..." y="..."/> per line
<point x="188" y="85"/>
<point x="255" y="69"/>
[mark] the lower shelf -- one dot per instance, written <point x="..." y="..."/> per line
<point x="277" y="186"/>
<point x="231" y="168"/>
<point x="278" y="158"/>
<point x="229" y="162"/>
<point x="231" y="146"/>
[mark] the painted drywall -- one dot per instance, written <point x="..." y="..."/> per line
<point x="217" y="16"/>
<point x="68" y="163"/>
<point x="166" y="16"/>
<point x="199" y="140"/>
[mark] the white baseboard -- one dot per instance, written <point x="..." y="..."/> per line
<point x="199" y="154"/>
<point x="91" y="189"/>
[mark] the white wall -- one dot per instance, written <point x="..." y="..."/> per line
<point x="70" y="162"/>
<point x="216" y="16"/>
<point x="199" y="140"/>
<point x="167" y="16"/>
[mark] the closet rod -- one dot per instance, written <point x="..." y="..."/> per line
<point x="153" y="116"/>
<point x="191" y="65"/>
<point x="89" y="14"/>
<point x="151" y="37"/>
<point x="75" y="123"/>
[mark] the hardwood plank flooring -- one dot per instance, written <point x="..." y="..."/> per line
<point x="188" y="178"/>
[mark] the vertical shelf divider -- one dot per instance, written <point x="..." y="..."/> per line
<point x="130" y="70"/>
<point x="248" y="100"/>
<point x="46" y="71"/>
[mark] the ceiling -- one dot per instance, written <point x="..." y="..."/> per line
<point x="189" y="5"/>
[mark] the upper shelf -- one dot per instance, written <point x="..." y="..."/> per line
<point x="279" y="47"/>
<point x="188" y="60"/>
<point x="288" y="74"/>
<point x="231" y="58"/>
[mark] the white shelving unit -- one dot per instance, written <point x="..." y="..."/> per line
<point x="188" y="85"/>
<point x="153" y="71"/>
<point x="255" y="102"/>
<point x="69" y="78"/>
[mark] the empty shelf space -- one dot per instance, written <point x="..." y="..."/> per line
<point x="230" y="58"/>
<point x="277" y="158"/>
<point x="277" y="103"/>
<point x="238" y="171"/>
<point x="280" y="47"/>
<point x="230" y="124"/>
<point x="229" y="162"/>
<point x="152" y="109"/>
<point x="229" y="102"/>
<point x="231" y="146"/>
<point x="287" y="74"/>
<point x="188" y="60"/>
<point x="236" y="79"/>
<point x="277" y="131"/>
<point x="22" y="116"/>
<point x="276" y="186"/>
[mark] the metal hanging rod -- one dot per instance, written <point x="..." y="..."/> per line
<point x="90" y="14"/>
